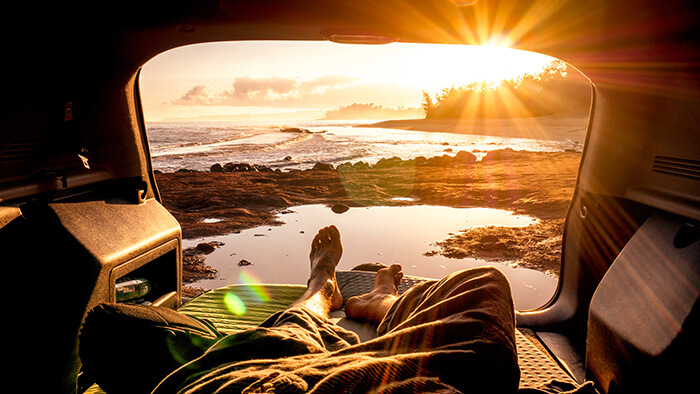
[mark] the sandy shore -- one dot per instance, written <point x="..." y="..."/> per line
<point x="567" y="126"/>
<point x="536" y="184"/>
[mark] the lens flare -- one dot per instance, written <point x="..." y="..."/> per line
<point x="234" y="304"/>
<point x="253" y="287"/>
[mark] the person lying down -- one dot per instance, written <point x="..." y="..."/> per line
<point x="451" y="335"/>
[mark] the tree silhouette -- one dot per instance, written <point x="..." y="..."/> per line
<point x="552" y="90"/>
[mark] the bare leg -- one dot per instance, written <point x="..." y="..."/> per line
<point x="372" y="307"/>
<point x="322" y="294"/>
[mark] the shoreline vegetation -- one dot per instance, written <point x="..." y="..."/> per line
<point x="241" y="196"/>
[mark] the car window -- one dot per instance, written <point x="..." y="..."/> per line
<point x="437" y="157"/>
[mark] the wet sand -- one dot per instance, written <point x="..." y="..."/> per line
<point x="532" y="183"/>
<point x="564" y="126"/>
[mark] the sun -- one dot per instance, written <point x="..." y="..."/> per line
<point x="209" y="78"/>
<point x="442" y="66"/>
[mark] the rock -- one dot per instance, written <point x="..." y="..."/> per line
<point x="216" y="168"/>
<point x="489" y="238"/>
<point x="390" y="162"/>
<point x="502" y="154"/>
<point x="344" y="166"/>
<point x="244" y="263"/>
<point x="340" y="208"/>
<point x="360" y="165"/>
<point x="288" y="158"/>
<point x="184" y="170"/>
<point x="238" y="167"/>
<point x="371" y="267"/>
<point x="439" y="161"/>
<point x="421" y="161"/>
<point x="294" y="130"/>
<point x="207" y="247"/>
<point x="463" y="157"/>
<point x="261" y="168"/>
<point x="322" y="167"/>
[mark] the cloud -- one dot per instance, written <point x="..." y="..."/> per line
<point x="198" y="95"/>
<point x="272" y="91"/>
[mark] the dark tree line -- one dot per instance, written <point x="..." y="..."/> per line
<point x="554" y="89"/>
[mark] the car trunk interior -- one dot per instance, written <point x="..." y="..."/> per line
<point x="80" y="209"/>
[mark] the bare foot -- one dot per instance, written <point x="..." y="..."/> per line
<point x="372" y="307"/>
<point x="326" y="250"/>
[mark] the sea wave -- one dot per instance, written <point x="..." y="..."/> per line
<point x="199" y="145"/>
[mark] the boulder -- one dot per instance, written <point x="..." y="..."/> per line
<point x="390" y="162"/>
<point x="360" y="165"/>
<point x="261" y="168"/>
<point x="238" y="167"/>
<point x="440" y="161"/>
<point x="322" y="167"/>
<point x="344" y="166"/>
<point x="228" y="167"/>
<point x="421" y="161"/>
<point x="216" y="168"/>
<point x="205" y="247"/>
<point x="502" y="154"/>
<point x="340" y="208"/>
<point x="463" y="157"/>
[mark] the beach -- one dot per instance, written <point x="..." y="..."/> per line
<point x="538" y="184"/>
<point x="527" y="166"/>
<point x="564" y="126"/>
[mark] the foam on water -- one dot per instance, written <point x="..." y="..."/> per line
<point x="197" y="146"/>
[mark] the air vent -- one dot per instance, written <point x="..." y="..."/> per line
<point x="21" y="150"/>
<point x="678" y="167"/>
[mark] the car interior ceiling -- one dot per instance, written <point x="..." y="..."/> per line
<point x="74" y="153"/>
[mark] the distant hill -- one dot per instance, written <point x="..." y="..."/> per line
<point x="371" y="111"/>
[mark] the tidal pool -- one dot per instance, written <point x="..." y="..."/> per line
<point x="280" y="254"/>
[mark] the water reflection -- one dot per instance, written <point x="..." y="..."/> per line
<point x="373" y="234"/>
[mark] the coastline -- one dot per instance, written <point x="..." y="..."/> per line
<point x="538" y="184"/>
<point x="563" y="126"/>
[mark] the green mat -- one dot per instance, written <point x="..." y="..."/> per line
<point x="236" y="308"/>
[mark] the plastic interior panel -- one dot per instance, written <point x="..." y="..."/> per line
<point x="643" y="313"/>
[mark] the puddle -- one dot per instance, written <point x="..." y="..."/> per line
<point x="280" y="254"/>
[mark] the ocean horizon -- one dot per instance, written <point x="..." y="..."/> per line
<point x="301" y="144"/>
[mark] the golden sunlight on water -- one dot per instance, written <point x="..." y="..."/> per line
<point x="374" y="234"/>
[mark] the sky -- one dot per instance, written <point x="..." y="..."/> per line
<point x="307" y="78"/>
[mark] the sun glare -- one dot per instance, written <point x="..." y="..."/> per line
<point x="269" y="77"/>
<point x="434" y="67"/>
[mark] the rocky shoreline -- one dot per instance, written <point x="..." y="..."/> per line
<point x="445" y="160"/>
<point x="539" y="184"/>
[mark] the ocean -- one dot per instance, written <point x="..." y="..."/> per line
<point x="199" y="145"/>
<point x="368" y="235"/>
